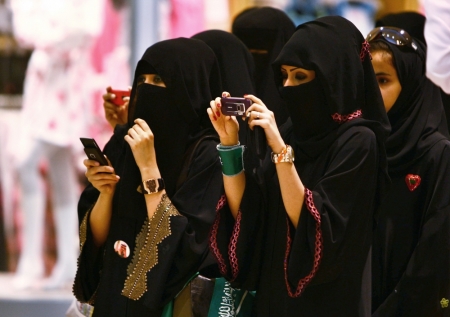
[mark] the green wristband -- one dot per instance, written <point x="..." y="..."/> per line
<point x="232" y="159"/>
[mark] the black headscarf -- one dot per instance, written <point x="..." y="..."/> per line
<point x="412" y="22"/>
<point x="176" y="114"/>
<point x="345" y="85"/>
<point x="265" y="28"/>
<point x="236" y="67"/>
<point x="417" y="117"/>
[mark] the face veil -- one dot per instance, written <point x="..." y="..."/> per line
<point x="345" y="90"/>
<point x="176" y="114"/>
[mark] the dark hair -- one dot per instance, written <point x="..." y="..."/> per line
<point x="381" y="46"/>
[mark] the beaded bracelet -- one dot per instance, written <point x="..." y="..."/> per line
<point x="231" y="159"/>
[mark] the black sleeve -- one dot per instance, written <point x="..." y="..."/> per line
<point x="90" y="259"/>
<point x="233" y="241"/>
<point x="336" y="219"/>
<point x="182" y="251"/>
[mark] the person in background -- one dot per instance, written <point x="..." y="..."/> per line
<point x="411" y="245"/>
<point x="265" y="30"/>
<point x="236" y="67"/>
<point x="145" y="218"/>
<point x="54" y="115"/>
<point x="302" y="239"/>
<point x="414" y="24"/>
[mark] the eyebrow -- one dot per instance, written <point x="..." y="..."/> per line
<point x="291" y="70"/>
<point x="382" y="73"/>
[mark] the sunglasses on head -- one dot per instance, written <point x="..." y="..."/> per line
<point x="392" y="35"/>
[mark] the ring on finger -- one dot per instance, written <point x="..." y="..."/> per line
<point x="257" y="116"/>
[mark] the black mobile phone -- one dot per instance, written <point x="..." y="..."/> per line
<point x="93" y="151"/>
<point x="235" y="106"/>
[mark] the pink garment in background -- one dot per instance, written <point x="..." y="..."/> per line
<point x="109" y="59"/>
<point x="107" y="41"/>
<point x="186" y="18"/>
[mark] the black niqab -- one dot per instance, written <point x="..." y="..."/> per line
<point x="347" y="82"/>
<point x="176" y="114"/>
<point x="266" y="29"/>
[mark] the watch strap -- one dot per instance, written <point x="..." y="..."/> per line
<point x="286" y="156"/>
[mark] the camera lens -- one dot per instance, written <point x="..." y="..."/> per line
<point x="92" y="156"/>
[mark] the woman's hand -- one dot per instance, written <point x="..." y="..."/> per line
<point x="115" y="114"/>
<point x="226" y="126"/>
<point x="141" y="140"/>
<point x="101" y="177"/>
<point x="259" y="115"/>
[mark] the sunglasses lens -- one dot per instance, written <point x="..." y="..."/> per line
<point x="392" y="35"/>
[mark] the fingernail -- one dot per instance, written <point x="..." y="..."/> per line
<point x="215" y="119"/>
<point x="218" y="104"/>
<point x="218" y="113"/>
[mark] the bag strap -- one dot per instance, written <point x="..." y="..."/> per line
<point x="189" y="155"/>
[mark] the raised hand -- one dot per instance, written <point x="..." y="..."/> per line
<point x="114" y="114"/>
<point x="259" y="115"/>
<point x="141" y="140"/>
<point x="226" y="126"/>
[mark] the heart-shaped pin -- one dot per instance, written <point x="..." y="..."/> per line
<point x="412" y="181"/>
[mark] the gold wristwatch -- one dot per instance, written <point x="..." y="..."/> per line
<point x="151" y="186"/>
<point x="286" y="155"/>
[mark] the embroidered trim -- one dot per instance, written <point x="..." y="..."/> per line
<point x="232" y="247"/>
<point x="341" y="118"/>
<point x="213" y="237"/>
<point x="83" y="229"/>
<point x="317" y="249"/>
<point x="83" y="238"/>
<point x="365" y="50"/>
<point x="145" y="255"/>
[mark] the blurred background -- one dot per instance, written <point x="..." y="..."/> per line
<point x="75" y="49"/>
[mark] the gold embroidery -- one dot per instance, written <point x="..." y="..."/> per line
<point x="145" y="255"/>
<point x="444" y="302"/>
<point x="83" y="228"/>
<point x="83" y="238"/>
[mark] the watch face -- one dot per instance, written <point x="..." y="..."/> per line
<point x="151" y="185"/>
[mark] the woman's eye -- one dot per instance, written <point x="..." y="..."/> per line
<point x="300" y="76"/>
<point x="141" y="79"/>
<point x="157" y="79"/>
<point x="382" y="80"/>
